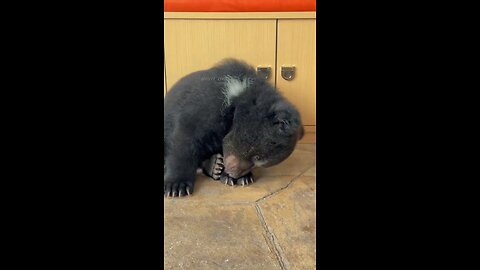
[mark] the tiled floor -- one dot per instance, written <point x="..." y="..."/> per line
<point x="268" y="225"/>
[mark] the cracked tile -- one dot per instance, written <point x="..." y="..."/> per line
<point x="208" y="191"/>
<point x="219" y="228"/>
<point x="291" y="216"/>
<point x="215" y="237"/>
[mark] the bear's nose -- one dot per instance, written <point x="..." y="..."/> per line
<point x="236" y="167"/>
<point x="231" y="163"/>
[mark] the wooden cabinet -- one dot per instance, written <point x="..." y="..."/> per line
<point x="199" y="44"/>
<point x="297" y="48"/>
<point x="195" y="41"/>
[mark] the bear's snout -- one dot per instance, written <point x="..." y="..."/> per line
<point x="236" y="167"/>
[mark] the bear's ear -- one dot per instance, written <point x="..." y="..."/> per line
<point x="285" y="118"/>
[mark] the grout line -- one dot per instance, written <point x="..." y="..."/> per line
<point x="272" y="240"/>
<point x="287" y="186"/>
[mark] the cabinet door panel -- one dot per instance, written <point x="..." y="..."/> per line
<point x="192" y="45"/>
<point x="297" y="47"/>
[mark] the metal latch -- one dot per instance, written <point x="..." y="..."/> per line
<point x="288" y="73"/>
<point x="264" y="72"/>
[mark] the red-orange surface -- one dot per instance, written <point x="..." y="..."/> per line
<point x="238" y="5"/>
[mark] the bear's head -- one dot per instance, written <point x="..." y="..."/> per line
<point x="261" y="136"/>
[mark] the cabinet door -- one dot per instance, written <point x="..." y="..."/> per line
<point x="192" y="45"/>
<point x="297" y="48"/>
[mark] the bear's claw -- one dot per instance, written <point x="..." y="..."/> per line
<point x="177" y="189"/>
<point x="243" y="181"/>
<point x="214" y="166"/>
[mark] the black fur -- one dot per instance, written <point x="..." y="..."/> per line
<point x="259" y="125"/>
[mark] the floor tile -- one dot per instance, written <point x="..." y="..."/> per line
<point x="267" y="181"/>
<point x="207" y="191"/>
<point x="311" y="172"/>
<point x="310" y="147"/>
<point x="262" y="226"/>
<point x="290" y="216"/>
<point x="215" y="237"/>
<point x="299" y="161"/>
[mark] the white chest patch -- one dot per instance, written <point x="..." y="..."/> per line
<point x="233" y="88"/>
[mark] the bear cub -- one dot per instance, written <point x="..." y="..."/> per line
<point x="225" y="120"/>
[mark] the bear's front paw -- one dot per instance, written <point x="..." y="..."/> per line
<point x="242" y="181"/>
<point x="179" y="189"/>
<point x="245" y="180"/>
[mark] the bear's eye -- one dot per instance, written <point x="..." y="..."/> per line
<point x="256" y="158"/>
<point x="273" y="143"/>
